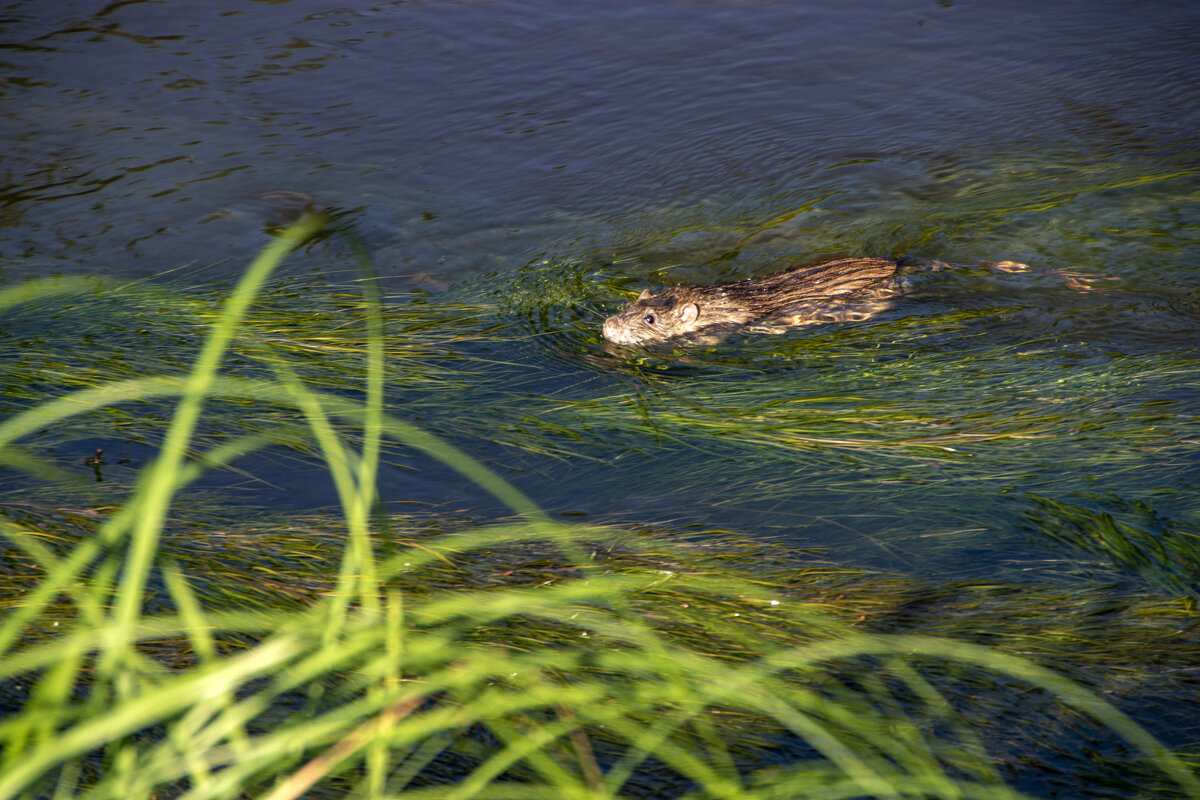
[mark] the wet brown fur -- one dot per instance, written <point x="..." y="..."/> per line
<point x="851" y="288"/>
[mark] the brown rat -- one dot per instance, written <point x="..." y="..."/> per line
<point x="852" y="288"/>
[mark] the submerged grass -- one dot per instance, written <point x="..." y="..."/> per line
<point x="523" y="660"/>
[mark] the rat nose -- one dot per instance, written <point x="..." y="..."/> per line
<point x="613" y="332"/>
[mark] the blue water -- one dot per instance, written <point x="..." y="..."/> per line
<point x="142" y="137"/>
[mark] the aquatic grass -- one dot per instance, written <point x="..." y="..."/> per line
<point x="446" y="615"/>
<point x="789" y="400"/>
<point x="450" y="609"/>
<point x="545" y="660"/>
<point x="296" y="559"/>
<point x="1163" y="553"/>
<point x="1048" y="207"/>
<point x="792" y="393"/>
<point x="796" y="391"/>
<point x="759" y="413"/>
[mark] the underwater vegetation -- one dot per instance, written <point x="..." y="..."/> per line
<point x="159" y="638"/>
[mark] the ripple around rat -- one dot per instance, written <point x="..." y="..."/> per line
<point x="559" y="304"/>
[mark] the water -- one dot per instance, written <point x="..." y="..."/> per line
<point x="142" y="137"/>
<point x="534" y="157"/>
<point x="524" y="167"/>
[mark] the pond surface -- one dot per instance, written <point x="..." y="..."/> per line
<point x="519" y="169"/>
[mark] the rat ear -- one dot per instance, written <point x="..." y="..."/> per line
<point x="687" y="313"/>
<point x="645" y="293"/>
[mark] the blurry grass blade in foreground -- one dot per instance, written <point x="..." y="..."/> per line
<point x="155" y="492"/>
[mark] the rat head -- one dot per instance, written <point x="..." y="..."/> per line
<point x="653" y="318"/>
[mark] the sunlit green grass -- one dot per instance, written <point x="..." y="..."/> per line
<point x="372" y="657"/>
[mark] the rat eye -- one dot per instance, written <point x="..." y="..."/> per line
<point x="648" y="319"/>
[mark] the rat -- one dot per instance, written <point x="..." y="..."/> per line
<point x="837" y="291"/>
